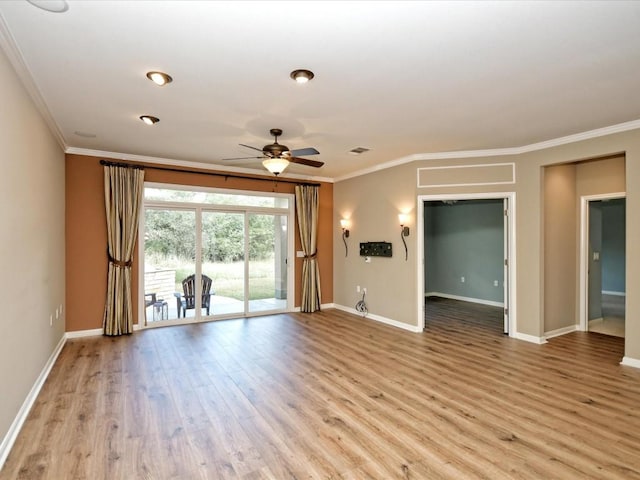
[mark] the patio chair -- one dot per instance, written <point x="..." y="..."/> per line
<point x="187" y="300"/>
<point x="149" y="299"/>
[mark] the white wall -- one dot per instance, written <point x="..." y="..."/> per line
<point x="32" y="251"/>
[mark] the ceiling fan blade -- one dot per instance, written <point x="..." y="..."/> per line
<point x="242" y="158"/>
<point x="305" y="161"/>
<point x="249" y="146"/>
<point x="304" y="152"/>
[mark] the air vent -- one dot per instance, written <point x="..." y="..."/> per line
<point x="358" y="150"/>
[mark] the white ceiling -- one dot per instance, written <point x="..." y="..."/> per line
<point x="400" y="78"/>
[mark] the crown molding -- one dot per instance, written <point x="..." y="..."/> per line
<point x="188" y="164"/>
<point x="578" y="137"/>
<point x="10" y="48"/>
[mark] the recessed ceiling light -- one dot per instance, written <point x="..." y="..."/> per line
<point x="149" y="120"/>
<point x="55" y="6"/>
<point x="302" y="76"/>
<point x="159" y="78"/>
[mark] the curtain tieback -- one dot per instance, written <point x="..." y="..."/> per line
<point x="312" y="256"/>
<point x="119" y="263"/>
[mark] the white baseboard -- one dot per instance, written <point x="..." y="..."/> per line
<point x="630" y="362"/>
<point x="464" y="299"/>
<point x="560" y="331"/>
<point x="381" y="319"/>
<point x="323" y="306"/>
<point x="84" y="333"/>
<point x="529" y="338"/>
<point x="617" y="294"/>
<point x="16" y="426"/>
<point x="94" y="332"/>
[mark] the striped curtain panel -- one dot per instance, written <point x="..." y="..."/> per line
<point x="122" y="197"/>
<point x="307" y="209"/>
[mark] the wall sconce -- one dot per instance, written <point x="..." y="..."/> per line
<point x="404" y="232"/>
<point x="344" y="223"/>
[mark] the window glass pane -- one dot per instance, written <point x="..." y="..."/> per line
<point x="169" y="255"/>
<point x="267" y="262"/>
<point x="223" y="260"/>
<point x="212" y="198"/>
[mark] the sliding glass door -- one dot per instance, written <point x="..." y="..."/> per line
<point x="169" y="257"/>
<point x="211" y="255"/>
<point x="223" y="260"/>
<point x="267" y="262"/>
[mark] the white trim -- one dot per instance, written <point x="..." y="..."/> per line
<point x="381" y="319"/>
<point x="578" y="137"/>
<point x="9" y="45"/>
<point x="174" y="162"/>
<point x="584" y="253"/>
<point x="529" y="338"/>
<point x="465" y="299"/>
<point x="446" y="167"/>
<point x="511" y="301"/>
<point x="561" y="331"/>
<point x="84" y="333"/>
<point x="18" y="422"/>
<point x="615" y="294"/>
<point x="630" y="362"/>
<point x="600" y="132"/>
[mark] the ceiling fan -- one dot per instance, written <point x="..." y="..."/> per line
<point x="276" y="157"/>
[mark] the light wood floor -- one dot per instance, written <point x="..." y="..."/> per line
<point x="333" y="395"/>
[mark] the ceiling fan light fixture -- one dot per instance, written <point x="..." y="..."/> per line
<point x="302" y="75"/>
<point x="275" y="165"/>
<point x="159" y="78"/>
<point x="149" y="120"/>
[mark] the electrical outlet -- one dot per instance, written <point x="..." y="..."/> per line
<point x="57" y="313"/>
<point x="495" y="283"/>
<point x="461" y="279"/>
<point x="358" y="288"/>
<point x="51" y="320"/>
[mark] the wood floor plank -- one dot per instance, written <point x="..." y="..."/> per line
<point x="332" y="395"/>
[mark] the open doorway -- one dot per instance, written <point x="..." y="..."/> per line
<point x="603" y="264"/>
<point x="464" y="246"/>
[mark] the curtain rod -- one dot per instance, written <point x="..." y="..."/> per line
<point x="206" y="172"/>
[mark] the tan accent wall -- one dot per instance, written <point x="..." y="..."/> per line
<point x="86" y="235"/>
<point x="561" y="217"/>
<point x="595" y="177"/>
<point x="370" y="198"/>
<point x="31" y="244"/>
<point x="372" y="204"/>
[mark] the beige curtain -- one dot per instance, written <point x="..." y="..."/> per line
<point x="122" y="197"/>
<point x="307" y="209"/>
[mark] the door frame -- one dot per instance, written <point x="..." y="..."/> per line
<point x="583" y="325"/>
<point x="509" y="247"/>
